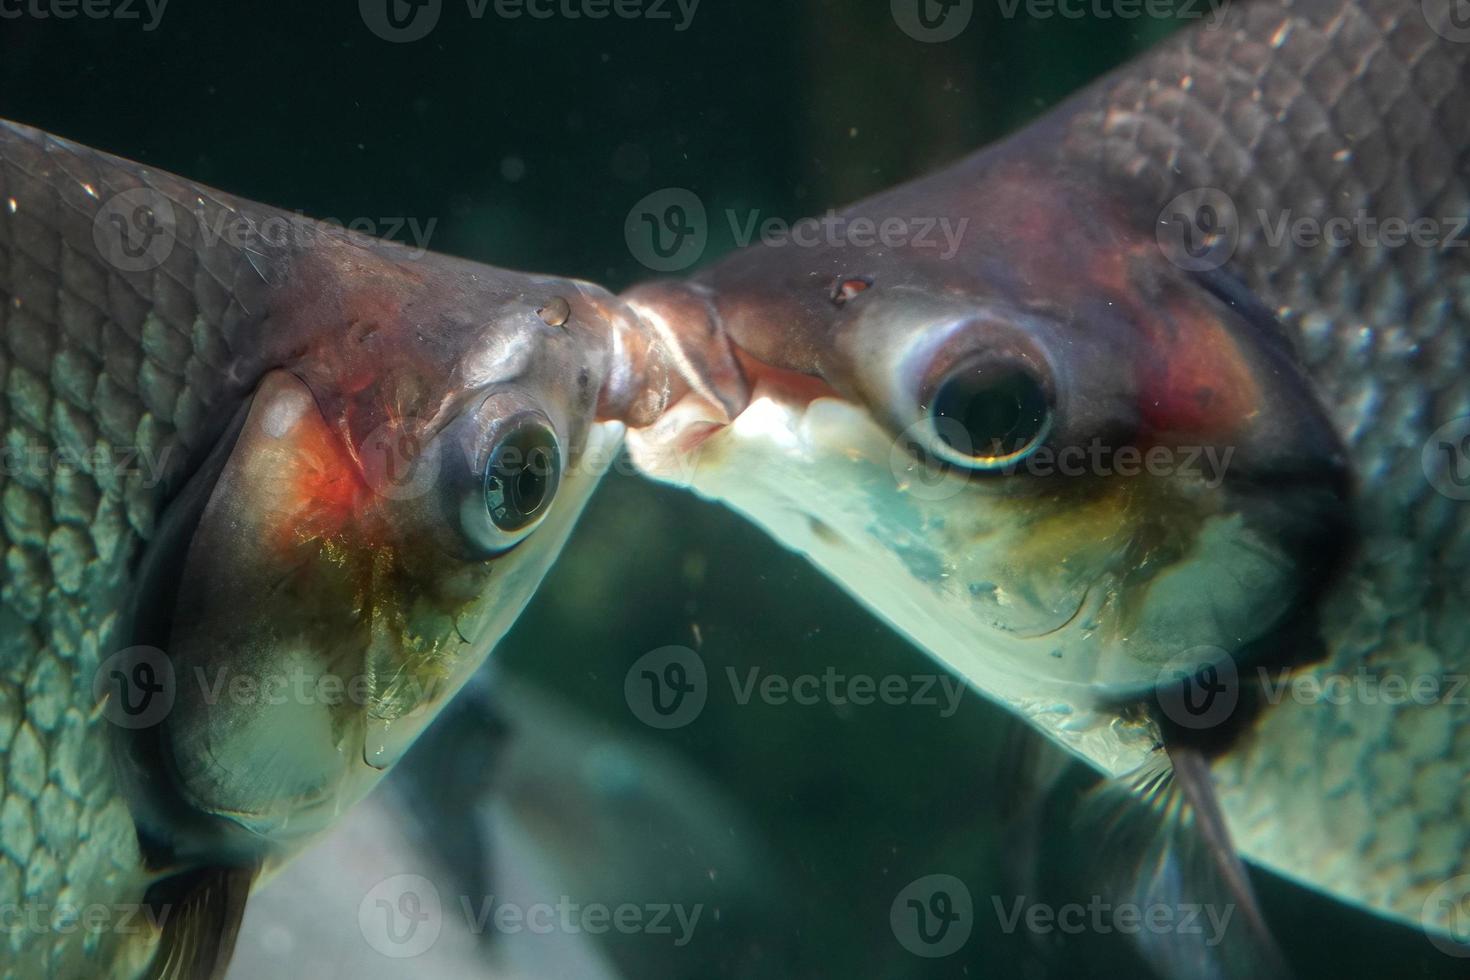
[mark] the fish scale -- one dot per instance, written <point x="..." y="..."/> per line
<point x="101" y="363"/>
<point x="1347" y="796"/>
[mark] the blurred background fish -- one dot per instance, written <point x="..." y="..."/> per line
<point x="567" y="816"/>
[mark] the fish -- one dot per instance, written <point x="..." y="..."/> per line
<point x="272" y="492"/>
<point x="556" y="808"/>
<point x="1164" y="448"/>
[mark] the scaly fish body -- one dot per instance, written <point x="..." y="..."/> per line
<point x="280" y="454"/>
<point x="1122" y="282"/>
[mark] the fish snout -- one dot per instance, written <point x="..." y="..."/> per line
<point x="689" y="350"/>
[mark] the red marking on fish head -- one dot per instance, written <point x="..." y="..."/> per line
<point x="324" y="493"/>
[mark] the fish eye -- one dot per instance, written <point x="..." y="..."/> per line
<point x="521" y="475"/>
<point x="986" y="415"/>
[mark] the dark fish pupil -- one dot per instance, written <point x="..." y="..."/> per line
<point x="530" y="484"/>
<point x="996" y="411"/>
<point x="521" y="476"/>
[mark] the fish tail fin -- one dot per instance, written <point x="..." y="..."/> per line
<point x="200" y="912"/>
<point x="1162" y="843"/>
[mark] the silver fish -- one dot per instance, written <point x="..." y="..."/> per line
<point x="1168" y="440"/>
<point x="272" y="492"/>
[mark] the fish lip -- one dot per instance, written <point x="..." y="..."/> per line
<point x="686" y="323"/>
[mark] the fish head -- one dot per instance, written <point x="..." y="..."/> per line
<point x="1050" y="455"/>
<point x="386" y="503"/>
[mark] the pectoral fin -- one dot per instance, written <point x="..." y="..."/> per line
<point x="201" y="913"/>
<point x="1160" y="841"/>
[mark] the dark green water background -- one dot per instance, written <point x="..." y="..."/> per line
<point x="528" y="142"/>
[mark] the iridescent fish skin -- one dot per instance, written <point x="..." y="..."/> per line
<point x="1325" y="370"/>
<point x="280" y="455"/>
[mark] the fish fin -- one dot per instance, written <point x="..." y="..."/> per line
<point x="1161" y="841"/>
<point x="1030" y="774"/>
<point x="200" y="927"/>
<point x="1027" y="769"/>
